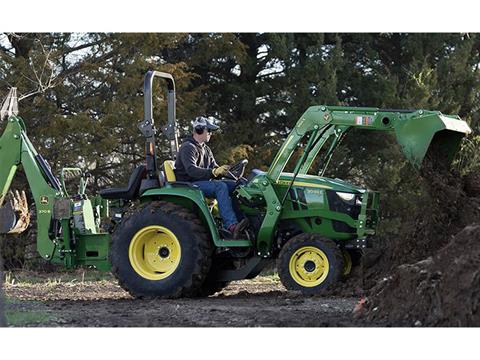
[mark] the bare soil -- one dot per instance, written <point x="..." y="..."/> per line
<point x="431" y="275"/>
<point x="442" y="290"/>
<point x="261" y="302"/>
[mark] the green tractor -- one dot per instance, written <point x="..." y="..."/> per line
<point x="168" y="241"/>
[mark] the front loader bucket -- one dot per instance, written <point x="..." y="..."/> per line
<point x="432" y="133"/>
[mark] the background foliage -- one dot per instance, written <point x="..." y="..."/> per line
<point x="83" y="97"/>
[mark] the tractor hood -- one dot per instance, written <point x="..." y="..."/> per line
<point x="319" y="182"/>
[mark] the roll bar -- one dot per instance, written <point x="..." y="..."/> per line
<point x="147" y="125"/>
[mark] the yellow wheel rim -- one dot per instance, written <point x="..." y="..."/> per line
<point x="309" y="266"/>
<point x="154" y="252"/>
<point x="347" y="262"/>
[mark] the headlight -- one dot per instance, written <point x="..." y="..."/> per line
<point x="346" y="196"/>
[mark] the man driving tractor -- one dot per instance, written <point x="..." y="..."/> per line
<point x="195" y="163"/>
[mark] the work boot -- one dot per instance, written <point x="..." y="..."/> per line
<point x="237" y="229"/>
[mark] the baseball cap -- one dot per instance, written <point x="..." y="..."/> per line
<point x="203" y="122"/>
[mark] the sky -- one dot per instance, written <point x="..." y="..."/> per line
<point x="247" y="15"/>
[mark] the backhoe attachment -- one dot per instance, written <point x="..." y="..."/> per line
<point x="14" y="215"/>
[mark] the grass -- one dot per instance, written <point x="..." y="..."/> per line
<point x="274" y="277"/>
<point x="17" y="316"/>
<point x="58" y="277"/>
<point x="82" y="275"/>
<point x="23" y="313"/>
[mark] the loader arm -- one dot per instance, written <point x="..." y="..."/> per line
<point x="415" y="130"/>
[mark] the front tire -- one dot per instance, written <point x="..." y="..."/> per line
<point x="347" y="263"/>
<point x="160" y="250"/>
<point x="310" y="263"/>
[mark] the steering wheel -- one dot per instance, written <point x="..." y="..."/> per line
<point x="236" y="171"/>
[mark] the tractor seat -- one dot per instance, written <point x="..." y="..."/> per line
<point x="129" y="192"/>
<point x="168" y="166"/>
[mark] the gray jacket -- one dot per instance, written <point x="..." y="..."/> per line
<point x="194" y="161"/>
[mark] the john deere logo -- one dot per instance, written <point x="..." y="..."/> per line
<point x="44" y="200"/>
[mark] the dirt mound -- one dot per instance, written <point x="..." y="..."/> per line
<point x="430" y="274"/>
<point x="444" y="211"/>
<point x="472" y="184"/>
<point x="443" y="290"/>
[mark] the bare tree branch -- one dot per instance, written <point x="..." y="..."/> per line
<point x="78" y="67"/>
<point x="84" y="46"/>
<point x="45" y="74"/>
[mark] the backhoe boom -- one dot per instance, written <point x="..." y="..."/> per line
<point x="18" y="150"/>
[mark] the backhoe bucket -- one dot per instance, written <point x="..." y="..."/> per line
<point x="14" y="214"/>
<point x="431" y="134"/>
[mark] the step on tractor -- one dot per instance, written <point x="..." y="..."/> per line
<point x="167" y="238"/>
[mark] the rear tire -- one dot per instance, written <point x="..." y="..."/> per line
<point x="310" y="263"/>
<point x="160" y="250"/>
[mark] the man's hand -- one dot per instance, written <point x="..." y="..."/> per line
<point x="220" y="171"/>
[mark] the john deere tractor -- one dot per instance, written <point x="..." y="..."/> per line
<point x="167" y="241"/>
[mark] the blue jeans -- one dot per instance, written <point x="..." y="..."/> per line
<point x="220" y="190"/>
